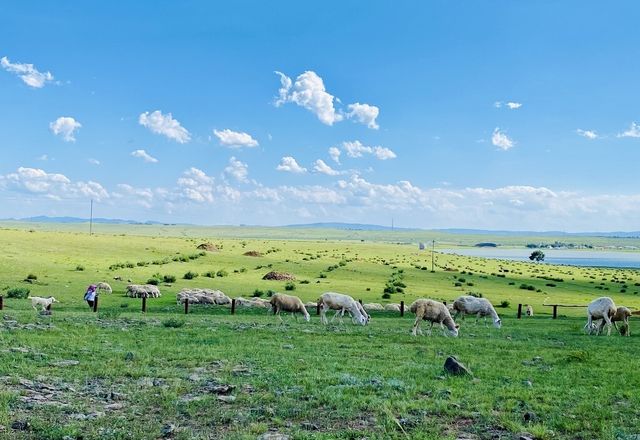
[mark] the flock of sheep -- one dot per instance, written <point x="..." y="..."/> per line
<point x="601" y="312"/>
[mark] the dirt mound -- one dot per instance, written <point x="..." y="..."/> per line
<point x="252" y="254"/>
<point x="279" y="276"/>
<point x="208" y="247"/>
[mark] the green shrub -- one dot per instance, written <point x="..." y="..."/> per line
<point x="173" y="323"/>
<point x="386" y="296"/>
<point x="129" y="265"/>
<point x="222" y="273"/>
<point x="322" y="275"/>
<point x="290" y="286"/>
<point x="257" y="293"/>
<point x="169" y="278"/>
<point x="304" y="281"/>
<point x="79" y="267"/>
<point x="210" y="274"/>
<point x="18" y="292"/>
<point x="504" y="304"/>
<point x="153" y="281"/>
<point x="270" y="293"/>
<point x="190" y="275"/>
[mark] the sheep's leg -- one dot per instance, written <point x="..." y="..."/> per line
<point x="588" y="325"/>
<point x="416" y="325"/>
<point x="430" y="329"/>
<point x="608" y="321"/>
<point x="323" y="315"/>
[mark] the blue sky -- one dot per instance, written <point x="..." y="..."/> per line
<point x="497" y="115"/>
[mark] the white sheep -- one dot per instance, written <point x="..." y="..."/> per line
<point x="203" y="296"/>
<point x="288" y="303"/>
<point x="142" y="290"/>
<point x="43" y="302"/>
<point x="432" y="311"/>
<point x="392" y="307"/>
<point x="341" y="303"/>
<point x="373" y="307"/>
<point x="600" y="308"/>
<point x="103" y="287"/>
<point x="481" y="307"/>
<point x="529" y="310"/>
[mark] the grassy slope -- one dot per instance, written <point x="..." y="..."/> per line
<point x="312" y="382"/>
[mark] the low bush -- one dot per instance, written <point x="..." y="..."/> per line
<point x="190" y="275"/>
<point x="169" y="278"/>
<point x="222" y="273"/>
<point x="290" y="286"/>
<point x="173" y="323"/>
<point x="18" y="292"/>
<point x="79" y="267"/>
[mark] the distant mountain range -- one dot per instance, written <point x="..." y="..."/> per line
<point x="351" y="226"/>
<point x="113" y="221"/>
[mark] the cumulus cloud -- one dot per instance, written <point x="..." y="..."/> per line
<point x="309" y="91"/>
<point x="51" y="185"/>
<point x="290" y="165"/>
<point x="235" y="139"/>
<point x="589" y="134"/>
<point x="144" y="156"/>
<point x="321" y="167"/>
<point x="237" y="169"/>
<point x="93" y="161"/>
<point x="357" y="149"/>
<point x="65" y="127"/>
<point x="196" y="186"/>
<point x="165" y="125"/>
<point x="334" y="153"/>
<point x="364" y="113"/>
<point x="501" y="140"/>
<point x="27" y="73"/>
<point x="633" y="131"/>
<point x="509" y="104"/>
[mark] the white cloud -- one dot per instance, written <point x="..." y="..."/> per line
<point x="290" y="165"/>
<point x="237" y="170"/>
<point x="164" y="125"/>
<point x="27" y="73"/>
<point x="501" y="140"/>
<point x="235" y="139"/>
<point x="357" y="149"/>
<point x="65" y="127"/>
<point x="334" y="153"/>
<point x="365" y="114"/>
<point x="633" y="131"/>
<point x="93" y="161"/>
<point x="589" y="134"/>
<point x="195" y="185"/>
<point x="43" y="157"/>
<point x="510" y="104"/>
<point x="144" y="156"/>
<point x="321" y="167"/>
<point x="51" y="185"/>
<point x="309" y="92"/>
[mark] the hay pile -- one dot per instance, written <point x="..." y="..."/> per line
<point x="142" y="290"/>
<point x="252" y="254"/>
<point x="210" y="247"/>
<point x="279" y="276"/>
<point x="203" y="296"/>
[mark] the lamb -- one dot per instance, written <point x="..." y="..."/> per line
<point x="481" y="307"/>
<point x="340" y="302"/>
<point x="103" y="287"/>
<point x="529" y="310"/>
<point x="43" y="302"/>
<point x="600" y="308"/>
<point x="433" y="311"/>
<point x="288" y="303"/>
<point x="622" y="315"/>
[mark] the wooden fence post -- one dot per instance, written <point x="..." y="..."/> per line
<point x="555" y="311"/>
<point x="1" y="302"/>
<point x="95" y="304"/>
<point x="186" y="306"/>
<point x="233" y="306"/>
<point x="144" y="304"/>
<point x="519" y="311"/>
<point x="317" y="309"/>
<point x="401" y="308"/>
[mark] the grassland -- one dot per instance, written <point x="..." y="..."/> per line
<point x="120" y="374"/>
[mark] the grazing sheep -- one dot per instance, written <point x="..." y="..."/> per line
<point x="288" y="303"/>
<point x="600" y="308"/>
<point x="481" y="307"/>
<point x="433" y="311"/>
<point x="103" y="287"/>
<point x="392" y="307"/>
<point x="373" y="307"/>
<point x="340" y="302"/>
<point x="43" y="302"/>
<point x="310" y="305"/>
<point x="142" y="290"/>
<point x="203" y="296"/>
<point x="622" y="315"/>
<point x="252" y="303"/>
<point x="529" y="311"/>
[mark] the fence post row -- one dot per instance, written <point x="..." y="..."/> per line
<point x="95" y="304"/>
<point x="233" y="306"/>
<point x="401" y="308"/>
<point x="317" y="309"/>
<point x="144" y="304"/>
<point x="519" y="311"/>
<point x="1" y="302"/>
<point x="555" y="311"/>
<point x="186" y="306"/>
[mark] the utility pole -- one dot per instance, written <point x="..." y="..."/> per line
<point x="91" y="219"/>
<point x="433" y="250"/>
<point x="392" y="224"/>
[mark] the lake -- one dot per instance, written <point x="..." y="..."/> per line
<point x="589" y="258"/>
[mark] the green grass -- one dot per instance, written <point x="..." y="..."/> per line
<point x="137" y="373"/>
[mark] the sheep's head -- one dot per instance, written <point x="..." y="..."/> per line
<point x="497" y="323"/>
<point x="454" y="331"/>
<point x="307" y="318"/>
<point x="362" y="320"/>
<point x="53" y="300"/>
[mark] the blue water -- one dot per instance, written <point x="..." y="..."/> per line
<point x="587" y="258"/>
